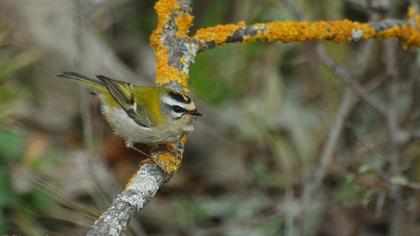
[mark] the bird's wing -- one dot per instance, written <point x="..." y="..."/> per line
<point x="122" y="92"/>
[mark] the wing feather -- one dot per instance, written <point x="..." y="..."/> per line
<point x="122" y="92"/>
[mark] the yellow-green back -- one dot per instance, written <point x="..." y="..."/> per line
<point x="148" y="102"/>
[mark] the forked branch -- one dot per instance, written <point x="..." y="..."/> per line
<point x="175" y="51"/>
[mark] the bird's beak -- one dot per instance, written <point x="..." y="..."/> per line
<point x="195" y="113"/>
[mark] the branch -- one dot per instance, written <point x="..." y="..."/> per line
<point x="292" y="31"/>
<point x="174" y="53"/>
<point x="402" y="183"/>
<point x="347" y="101"/>
<point x="141" y="188"/>
<point x="348" y="80"/>
<point x="334" y="134"/>
<point x="397" y="213"/>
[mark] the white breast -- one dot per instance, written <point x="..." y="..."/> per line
<point x="125" y="127"/>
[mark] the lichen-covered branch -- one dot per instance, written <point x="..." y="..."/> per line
<point x="141" y="188"/>
<point x="408" y="32"/>
<point x="175" y="51"/>
<point x="174" y="54"/>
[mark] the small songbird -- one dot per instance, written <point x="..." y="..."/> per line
<point x="141" y="114"/>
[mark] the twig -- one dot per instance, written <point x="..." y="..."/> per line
<point x="412" y="185"/>
<point x="327" y="153"/>
<point x="346" y="104"/>
<point x="298" y="12"/>
<point x="348" y="80"/>
<point x="397" y="215"/>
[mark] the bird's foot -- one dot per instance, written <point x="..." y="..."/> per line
<point x="166" y="156"/>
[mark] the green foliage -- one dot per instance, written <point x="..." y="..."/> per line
<point x="349" y="192"/>
<point x="26" y="203"/>
<point x="11" y="145"/>
<point x="7" y="198"/>
<point x="211" y="83"/>
<point x="142" y="25"/>
<point x="261" y="174"/>
<point x="216" y="15"/>
<point x="49" y="160"/>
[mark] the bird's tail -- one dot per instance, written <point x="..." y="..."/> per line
<point x="94" y="84"/>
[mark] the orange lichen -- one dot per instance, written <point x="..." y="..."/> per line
<point x="409" y="37"/>
<point x="183" y="23"/>
<point x="338" y="31"/>
<point x="218" y="34"/>
<point x="409" y="34"/>
<point x="164" y="10"/>
<point x="412" y="14"/>
<point x="169" y="162"/>
<point x="164" y="72"/>
<point x="168" y="156"/>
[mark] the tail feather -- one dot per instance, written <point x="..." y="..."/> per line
<point x="94" y="84"/>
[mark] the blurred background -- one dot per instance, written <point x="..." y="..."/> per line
<point x="284" y="147"/>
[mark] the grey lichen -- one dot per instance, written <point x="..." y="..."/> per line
<point x="143" y="186"/>
<point x="386" y="24"/>
<point x="137" y="194"/>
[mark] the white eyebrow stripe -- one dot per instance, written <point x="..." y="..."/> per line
<point x="172" y="102"/>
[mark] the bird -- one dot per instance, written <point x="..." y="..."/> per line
<point x="150" y="115"/>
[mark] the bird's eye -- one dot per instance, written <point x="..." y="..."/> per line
<point x="178" y="109"/>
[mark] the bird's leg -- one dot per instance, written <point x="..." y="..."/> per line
<point x="167" y="165"/>
<point x="130" y="144"/>
<point x="166" y="156"/>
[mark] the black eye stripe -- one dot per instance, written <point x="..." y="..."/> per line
<point x="178" y="109"/>
<point x="179" y="97"/>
